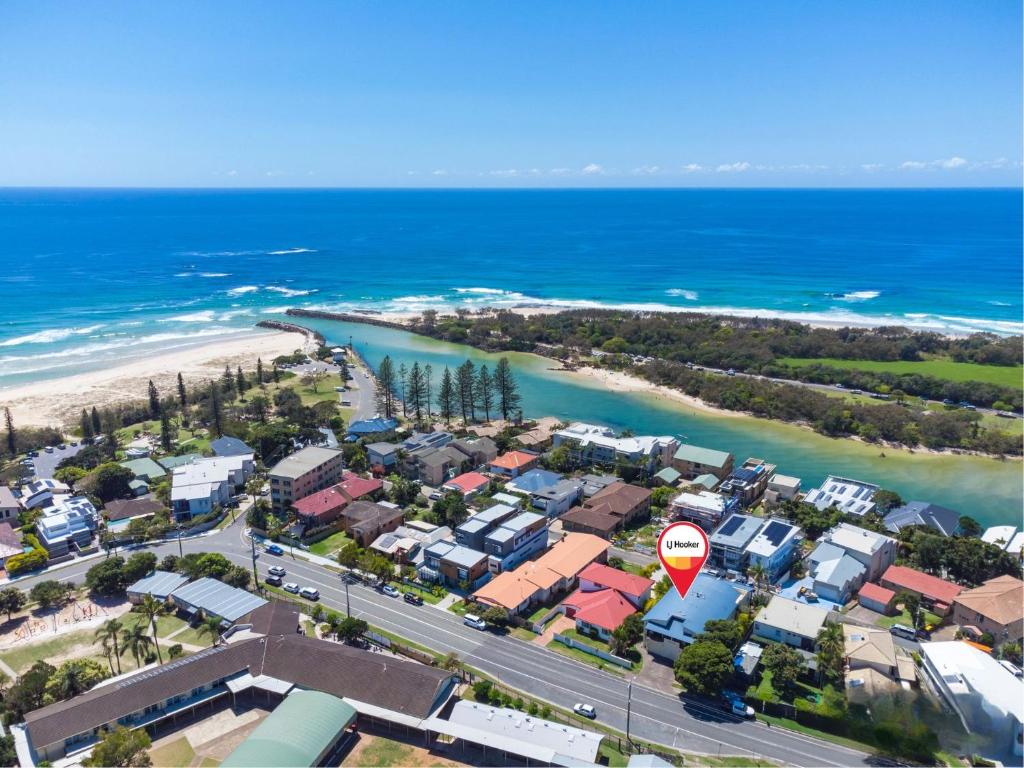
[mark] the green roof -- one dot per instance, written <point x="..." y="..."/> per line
<point x="708" y="481"/>
<point x="146" y="468"/>
<point x="697" y="455"/>
<point x="170" y="462"/>
<point x="298" y="733"/>
<point x="668" y="475"/>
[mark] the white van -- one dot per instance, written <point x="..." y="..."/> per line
<point x="901" y="630"/>
<point x="474" y="621"/>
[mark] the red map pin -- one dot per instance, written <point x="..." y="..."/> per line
<point x="683" y="549"/>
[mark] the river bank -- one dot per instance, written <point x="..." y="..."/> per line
<point x="58" y="402"/>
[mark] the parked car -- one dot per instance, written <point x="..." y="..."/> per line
<point x="276" y="570"/>
<point x="274" y="549"/>
<point x="1012" y="668"/>
<point x="309" y="593"/>
<point x="390" y="591"/>
<point x="474" y="621"/>
<point x="292" y="587"/>
<point x="274" y="581"/>
<point x="585" y="710"/>
<point x="733" y="702"/>
<point x="901" y="630"/>
<point x="731" y="372"/>
<point x="436" y="495"/>
<point x="48" y="449"/>
<point x="412" y="598"/>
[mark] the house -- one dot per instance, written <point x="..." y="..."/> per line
<point x="867" y="648"/>
<point x="937" y="595"/>
<point x="1016" y="546"/>
<point x="692" y="461"/>
<point x="635" y="589"/>
<point x="405" y="544"/>
<point x="943" y="521"/>
<point x="10" y="543"/>
<point x="706" y="482"/>
<point x="852" y="497"/>
<point x="788" y="621"/>
<point x="453" y="565"/>
<point x="674" y="622"/>
<point x="433" y="466"/>
<point x="609" y="510"/>
<point x="382" y="455"/>
<point x="555" y="500"/>
<point x="10" y="507"/>
<point x="730" y="540"/>
<point x="876" y="598"/>
<point x="324" y="507"/>
<point x="996" y="607"/>
<point x="705" y="508"/>
<point x="305" y="471"/>
<point x="508" y="499"/>
<point x="774" y="548"/>
<point x="40" y="493"/>
<point x="512" y="464"/>
<point x="535" y="581"/>
<point x="987" y="697"/>
<point x="836" y="575"/>
<point x="145" y="469"/>
<point x="67" y="525"/>
<point x="592" y="444"/>
<point x="125" y="509"/>
<point x="666" y="476"/>
<point x="782" y="488"/>
<point x="999" y="535"/>
<point x="210" y="597"/>
<point x="469" y="484"/>
<point x="515" y="540"/>
<point x="481" y="450"/>
<point x="170" y="463"/>
<point x="201" y="485"/>
<point x="472" y="531"/>
<point x="364" y="520"/>
<point x="597" y="613"/>
<point x="532" y="480"/>
<point x="368" y="428"/>
<point x="230" y="446"/>
<point x="596" y="483"/>
<point x="748" y="482"/>
<point x="875" y="551"/>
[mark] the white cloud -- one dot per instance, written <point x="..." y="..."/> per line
<point x="439" y="172"/>
<point x="993" y="165"/>
<point x="953" y="162"/>
<point x="646" y="170"/>
<point x="232" y="172"/>
<point x="506" y="173"/>
<point x="872" y="167"/>
<point x="693" y="168"/>
<point x="913" y="165"/>
<point x="733" y="167"/>
<point x="592" y="169"/>
<point x="948" y="164"/>
<point x="560" y="171"/>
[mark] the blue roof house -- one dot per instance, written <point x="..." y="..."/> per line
<point x="368" y="427"/>
<point x="230" y="446"/>
<point x="674" y="622"/>
<point x="533" y="481"/>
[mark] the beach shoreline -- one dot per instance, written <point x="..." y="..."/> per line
<point x="58" y="402"/>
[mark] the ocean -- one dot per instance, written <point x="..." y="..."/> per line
<point x="93" y="277"/>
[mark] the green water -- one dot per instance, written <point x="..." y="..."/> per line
<point x="989" y="490"/>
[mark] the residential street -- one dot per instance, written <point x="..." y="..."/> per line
<point x="655" y="716"/>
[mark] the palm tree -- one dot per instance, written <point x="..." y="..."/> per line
<point x="108" y="633"/>
<point x="831" y="648"/>
<point x="211" y="627"/>
<point x="134" y="640"/>
<point x="108" y="651"/>
<point x="68" y="681"/>
<point x="758" y="573"/>
<point x="151" y="608"/>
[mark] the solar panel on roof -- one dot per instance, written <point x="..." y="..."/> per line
<point x="775" y="532"/>
<point x="730" y="526"/>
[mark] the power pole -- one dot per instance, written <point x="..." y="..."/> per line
<point x="629" y="702"/>
<point x="255" y="573"/>
<point x="181" y="552"/>
<point x="348" y="607"/>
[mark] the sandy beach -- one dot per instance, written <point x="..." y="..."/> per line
<point x="59" y="402"/>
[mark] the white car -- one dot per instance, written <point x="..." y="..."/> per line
<point x="276" y="570"/>
<point x="585" y="710"/>
<point x="309" y="593"/>
<point x="740" y="709"/>
<point x="474" y="621"/>
<point x="390" y="591"/>
<point x="291" y="586"/>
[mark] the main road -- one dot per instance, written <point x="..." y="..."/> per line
<point x="654" y="716"/>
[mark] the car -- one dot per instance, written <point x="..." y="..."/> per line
<point x="901" y="630"/>
<point x="274" y="549"/>
<point x="412" y="598"/>
<point x="740" y="709"/>
<point x="474" y="621"/>
<point x="48" y="449"/>
<point x="74" y="443"/>
<point x="62" y="446"/>
<point x="32" y="453"/>
<point x="390" y="591"/>
<point x="276" y="570"/>
<point x="731" y="372"/>
<point x="1012" y="668"/>
<point x="274" y="581"/>
<point x="585" y="710"/>
<point x="309" y="593"/>
<point x="292" y="587"/>
<point x="855" y="392"/>
<point x="840" y="386"/>
<point x="436" y="495"/>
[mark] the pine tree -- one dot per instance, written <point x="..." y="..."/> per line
<point x="97" y="425"/>
<point x="276" y="372"/>
<point x="86" y="425"/>
<point x="240" y="381"/>
<point x="386" y="387"/>
<point x="182" y="393"/>
<point x="416" y="391"/>
<point x="12" y="441"/>
<point x="465" y="380"/>
<point x="215" y="408"/>
<point x="259" y="371"/>
<point x="227" y="382"/>
<point x="428" y="383"/>
<point x="166" y="439"/>
<point x="506" y="388"/>
<point x="403" y="375"/>
<point x="485" y="391"/>
<point x="154" y="400"/>
<point x="446" y="396"/>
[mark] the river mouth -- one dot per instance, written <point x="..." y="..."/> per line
<point x="989" y="490"/>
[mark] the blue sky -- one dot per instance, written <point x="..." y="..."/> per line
<point x="510" y="94"/>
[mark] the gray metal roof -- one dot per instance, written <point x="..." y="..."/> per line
<point x="159" y="584"/>
<point x="736" y="531"/>
<point x="217" y="598"/>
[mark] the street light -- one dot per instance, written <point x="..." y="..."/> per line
<point x="181" y="552"/>
<point x="629" y="703"/>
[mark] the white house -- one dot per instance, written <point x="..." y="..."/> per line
<point x="790" y="622"/>
<point x="69" y="522"/>
<point x="40" y="493"/>
<point x="853" y="497"/>
<point x="593" y="444"/>
<point x="202" y="484"/>
<point x="875" y="551"/>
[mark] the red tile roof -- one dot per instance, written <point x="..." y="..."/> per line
<point x="877" y="594"/>
<point x="468" y="482"/>
<point x="626" y="583"/>
<point x="931" y="587"/>
<point x="356" y="487"/>
<point x="514" y="460"/>
<point x="322" y="503"/>
<point x="604" y="608"/>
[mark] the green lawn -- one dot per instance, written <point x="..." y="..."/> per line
<point x="1000" y="375"/>
<point x="904" y="618"/>
<point x="164" y="624"/>
<point x="586" y="658"/>
<point x="174" y="754"/>
<point x="523" y="634"/>
<point x="333" y="543"/>
<point x="384" y="752"/>
<point x="426" y="594"/>
<point x="191" y="636"/>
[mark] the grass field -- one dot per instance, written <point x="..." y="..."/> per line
<point x="174" y="754"/>
<point x="1001" y="375"/>
<point x="334" y="542"/>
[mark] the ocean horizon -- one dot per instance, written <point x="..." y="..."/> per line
<point x="92" y="277"/>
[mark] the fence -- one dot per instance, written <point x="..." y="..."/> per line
<point x="538" y="626"/>
<point x="572" y="643"/>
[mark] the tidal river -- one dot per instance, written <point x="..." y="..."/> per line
<point x="989" y="490"/>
